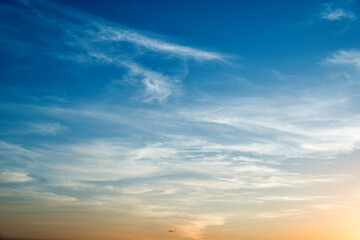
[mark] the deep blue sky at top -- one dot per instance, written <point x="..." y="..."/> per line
<point x="258" y="37"/>
<point x="273" y="32"/>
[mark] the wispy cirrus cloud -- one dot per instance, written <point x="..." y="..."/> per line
<point x="338" y="14"/>
<point x="30" y="193"/>
<point x="334" y="12"/>
<point x="88" y="30"/>
<point x="16" y="151"/>
<point x="348" y="62"/>
<point x="118" y="34"/>
<point x="14" y="177"/>
<point x="44" y="128"/>
<point x="345" y="58"/>
<point x="157" y="86"/>
<point x="288" y="213"/>
<point x="86" y="39"/>
<point x="303" y="136"/>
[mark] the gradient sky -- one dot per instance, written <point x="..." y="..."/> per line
<point x="189" y="120"/>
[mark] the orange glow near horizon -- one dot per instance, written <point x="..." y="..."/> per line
<point x="330" y="224"/>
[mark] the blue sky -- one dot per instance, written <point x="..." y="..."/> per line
<point x="190" y="114"/>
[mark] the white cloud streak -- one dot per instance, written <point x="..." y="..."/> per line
<point x="44" y="128"/>
<point x="345" y="58"/>
<point x="334" y="12"/>
<point x="309" y="129"/>
<point x="157" y="86"/>
<point x="14" y="177"/>
<point x="118" y="34"/>
<point x="338" y="14"/>
<point x="91" y="40"/>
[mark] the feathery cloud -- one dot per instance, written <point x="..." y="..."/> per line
<point x="333" y="12"/>
<point x="342" y="57"/>
<point x="86" y="39"/>
<point x="14" y="177"/>
<point x="338" y="14"/>
<point x="44" y="128"/>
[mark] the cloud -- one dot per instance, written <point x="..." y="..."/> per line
<point x="346" y="66"/>
<point x="44" y="128"/>
<point x="338" y="14"/>
<point x="288" y="213"/>
<point x="14" y="177"/>
<point x="119" y="34"/>
<point x="292" y="130"/>
<point x="332" y="12"/>
<point x="33" y="194"/>
<point x="292" y="198"/>
<point x="114" y="167"/>
<point x="265" y="127"/>
<point x="199" y="223"/>
<point x="16" y="151"/>
<point x="346" y="58"/>
<point x="157" y="86"/>
<point x="250" y="158"/>
<point x="86" y="39"/>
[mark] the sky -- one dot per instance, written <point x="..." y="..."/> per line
<point x="179" y="120"/>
